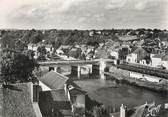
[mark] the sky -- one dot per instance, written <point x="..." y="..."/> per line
<point x="83" y="14"/>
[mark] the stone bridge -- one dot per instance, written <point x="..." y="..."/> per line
<point x="97" y="66"/>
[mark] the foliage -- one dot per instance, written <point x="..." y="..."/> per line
<point x="17" y="67"/>
<point x="42" y="53"/>
<point x="34" y="36"/>
<point x="123" y="53"/>
<point x="7" y="40"/>
<point x="69" y="37"/>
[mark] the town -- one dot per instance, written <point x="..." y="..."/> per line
<point x="84" y="73"/>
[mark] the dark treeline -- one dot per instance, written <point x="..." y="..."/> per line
<point x="69" y="37"/>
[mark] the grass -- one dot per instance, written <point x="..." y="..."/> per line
<point x="17" y="102"/>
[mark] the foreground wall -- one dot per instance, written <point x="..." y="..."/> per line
<point x="18" y="101"/>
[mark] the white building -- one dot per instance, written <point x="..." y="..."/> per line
<point x="156" y="60"/>
<point x="131" y="58"/>
<point x="33" y="47"/>
<point x="59" y="51"/>
<point x="145" y="77"/>
<point x="138" y="56"/>
<point x="49" y="48"/>
<point x="114" y="53"/>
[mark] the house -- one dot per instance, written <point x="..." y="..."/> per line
<point x="156" y="60"/>
<point x="77" y="97"/>
<point x="49" y="48"/>
<point x="33" y="47"/>
<point x="131" y="58"/>
<point x="138" y="56"/>
<point x="114" y="53"/>
<point x="75" y="52"/>
<point x="63" y="96"/>
<point x="55" y="103"/>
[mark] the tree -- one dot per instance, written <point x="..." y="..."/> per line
<point x="7" y="41"/>
<point x="42" y="53"/>
<point x="34" y="36"/>
<point x="17" y="67"/>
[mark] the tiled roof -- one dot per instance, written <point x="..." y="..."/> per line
<point x="70" y="82"/>
<point x="158" y="56"/>
<point x="139" y="49"/>
<point x="75" y="91"/>
<point x="165" y="58"/>
<point x="54" y="80"/>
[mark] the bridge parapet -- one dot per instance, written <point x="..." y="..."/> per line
<point x="73" y="62"/>
<point x="98" y="65"/>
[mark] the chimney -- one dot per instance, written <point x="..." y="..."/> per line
<point x="123" y="111"/>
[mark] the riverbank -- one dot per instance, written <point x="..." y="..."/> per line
<point x="123" y="78"/>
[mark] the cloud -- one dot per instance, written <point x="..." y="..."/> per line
<point x="99" y="16"/>
<point x="143" y="4"/>
<point x="82" y="13"/>
<point x="27" y="13"/>
<point x="113" y="4"/>
<point x="81" y="19"/>
<point x="66" y="4"/>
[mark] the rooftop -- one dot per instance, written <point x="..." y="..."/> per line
<point x="138" y="50"/>
<point x="158" y="56"/>
<point x="56" y="102"/>
<point x="76" y="91"/>
<point x="127" y="38"/>
<point x="165" y="58"/>
<point x="54" y="80"/>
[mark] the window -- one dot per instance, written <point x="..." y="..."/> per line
<point x="128" y="60"/>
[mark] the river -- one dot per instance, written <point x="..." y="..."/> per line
<point x="110" y="94"/>
<point x="106" y="92"/>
